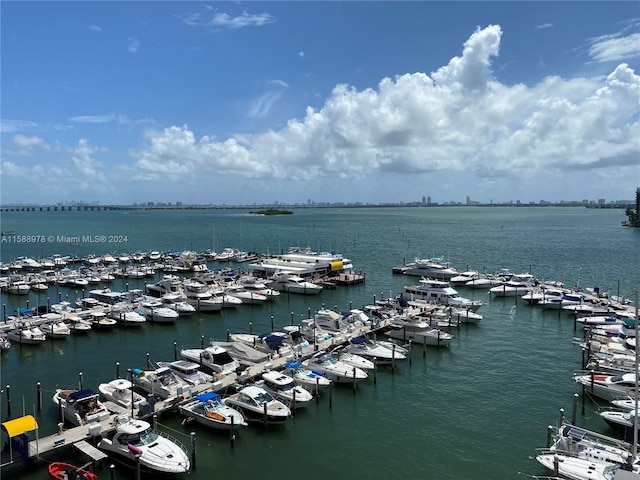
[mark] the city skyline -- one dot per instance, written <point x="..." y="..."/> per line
<point x="343" y="102"/>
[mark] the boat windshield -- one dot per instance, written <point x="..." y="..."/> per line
<point x="140" y="439"/>
<point x="263" y="398"/>
<point x="222" y="358"/>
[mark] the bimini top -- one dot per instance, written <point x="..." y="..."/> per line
<point x="18" y="426"/>
<point x="292" y="364"/>
<point x="204" y="397"/>
<point x="81" y="394"/>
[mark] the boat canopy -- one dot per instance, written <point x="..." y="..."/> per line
<point x="81" y="394"/>
<point x="358" y="340"/>
<point x="18" y="426"/>
<point x="204" y="397"/>
<point x="25" y="311"/>
<point x="292" y="364"/>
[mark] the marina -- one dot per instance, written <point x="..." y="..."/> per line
<point x="415" y="386"/>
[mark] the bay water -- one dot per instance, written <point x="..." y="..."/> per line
<point x="475" y="410"/>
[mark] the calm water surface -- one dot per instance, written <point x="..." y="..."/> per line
<point x="478" y="409"/>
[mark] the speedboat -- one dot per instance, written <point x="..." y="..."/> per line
<point x="312" y="380"/>
<point x="208" y="409"/>
<point x="374" y="351"/>
<point x="199" y="296"/>
<point x="621" y="421"/>
<point x="26" y="334"/>
<point x="175" y="302"/>
<point x="542" y="294"/>
<point x="352" y="359"/>
<point x="289" y="282"/>
<point x="434" y="267"/>
<point x="249" y="297"/>
<point x="188" y="371"/>
<point x="285" y="389"/>
<point x="418" y="331"/>
<point x="517" y="285"/>
<point x="213" y="357"/>
<point x="80" y="406"/>
<point x="120" y="391"/>
<point x="334" y="369"/>
<point x="608" y="387"/>
<point x="155" y="452"/>
<point x="66" y="471"/>
<point x="127" y="316"/>
<point x="574" y="298"/>
<point x="157" y="312"/>
<point x="5" y="343"/>
<point x="258" y="405"/>
<point x="161" y="382"/>
<point x="55" y="327"/>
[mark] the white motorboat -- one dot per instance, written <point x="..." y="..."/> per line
<point x="253" y="284"/>
<point x="441" y="293"/>
<point x="516" y="286"/>
<point x="374" y="351"/>
<point x="542" y="294"/>
<point x="198" y="295"/>
<point x="213" y="357"/>
<point x="480" y="282"/>
<point x="463" y="277"/>
<point x="80" y="407"/>
<point x="126" y="315"/>
<point x="55" y="328"/>
<point x="157" y="312"/>
<point x="26" y="334"/>
<point x="290" y="282"/>
<point x="312" y="380"/>
<point x="99" y="319"/>
<point x="352" y="359"/>
<point x="249" y="297"/>
<point x="573" y="298"/>
<point x="598" y="320"/>
<point x="434" y="267"/>
<point x="188" y="371"/>
<point x="258" y="405"/>
<point x="121" y="392"/>
<point x="155" y="452"/>
<point x="221" y="296"/>
<point x="208" y="409"/>
<point x="335" y="370"/>
<point x="275" y="343"/>
<point x="78" y="325"/>
<point x="419" y="332"/>
<point x="18" y="286"/>
<point x="161" y="382"/>
<point x="175" y="301"/>
<point x="169" y="284"/>
<point x="5" y="343"/>
<point x="608" y="387"/>
<point x="284" y="388"/>
<point x="621" y="421"/>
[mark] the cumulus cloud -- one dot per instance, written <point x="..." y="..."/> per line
<point x="26" y="145"/>
<point x="543" y="26"/>
<point x="94" y="28"/>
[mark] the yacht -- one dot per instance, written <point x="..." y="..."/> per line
<point x="156" y="453"/>
<point x="290" y="282"/>
<point x="284" y="388"/>
<point x="435" y="267"/>
<point x="418" y="331"/>
<point x="80" y="407"/>
<point x="214" y="357"/>
<point x="161" y="382"/>
<point x="517" y="285"/>
<point x="209" y="410"/>
<point x="198" y="295"/>
<point x="188" y="371"/>
<point x="440" y="292"/>
<point x="258" y="405"/>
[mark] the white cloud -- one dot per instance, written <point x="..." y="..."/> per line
<point x="543" y="26"/>
<point x="94" y="28"/>
<point x="92" y="118"/>
<point x="26" y="145"/>
<point x="134" y="45"/>
<point x="221" y="19"/>
<point x="458" y="119"/>
<point x="614" y="48"/>
<point x="11" y="126"/>
<point x="301" y="54"/>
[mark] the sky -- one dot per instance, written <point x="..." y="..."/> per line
<point x="243" y="103"/>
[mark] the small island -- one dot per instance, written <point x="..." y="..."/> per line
<point x="272" y="211"/>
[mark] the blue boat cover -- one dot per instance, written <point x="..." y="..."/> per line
<point x="25" y="311"/>
<point x="80" y="394"/>
<point x="203" y="397"/>
<point x="292" y="364"/>
<point x="357" y="340"/>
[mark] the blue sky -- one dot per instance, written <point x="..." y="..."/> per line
<point x="259" y="102"/>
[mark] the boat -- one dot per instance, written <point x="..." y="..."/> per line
<point x="18" y="286"/>
<point x="374" y="351"/>
<point x="66" y="471"/>
<point x="274" y="343"/>
<point x="120" y="391"/>
<point x="80" y="407"/>
<point x="352" y="359"/>
<point x="418" y="331"/>
<point x="55" y="328"/>
<point x="608" y="387"/>
<point x="126" y="315"/>
<point x="516" y="286"/>
<point x="249" y="297"/>
<point x="292" y="283"/>
<point x="198" y="295"/>
<point x="188" y="371"/>
<point x="169" y="284"/>
<point x="434" y="267"/>
<point x="214" y="357"/>
<point x="573" y="298"/>
<point x="209" y="410"/>
<point x="258" y="405"/>
<point x="463" y="277"/>
<point x="161" y="382"/>
<point x="621" y="421"/>
<point x="335" y="370"/>
<point x="441" y="293"/>
<point x="158" y="313"/>
<point x="5" y="343"/>
<point x="576" y="468"/>
<point x="312" y="380"/>
<point x="26" y="334"/>
<point x="175" y="302"/>
<point x="284" y="388"/>
<point x="156" y="452"/>
<point x="542" y="294"/>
